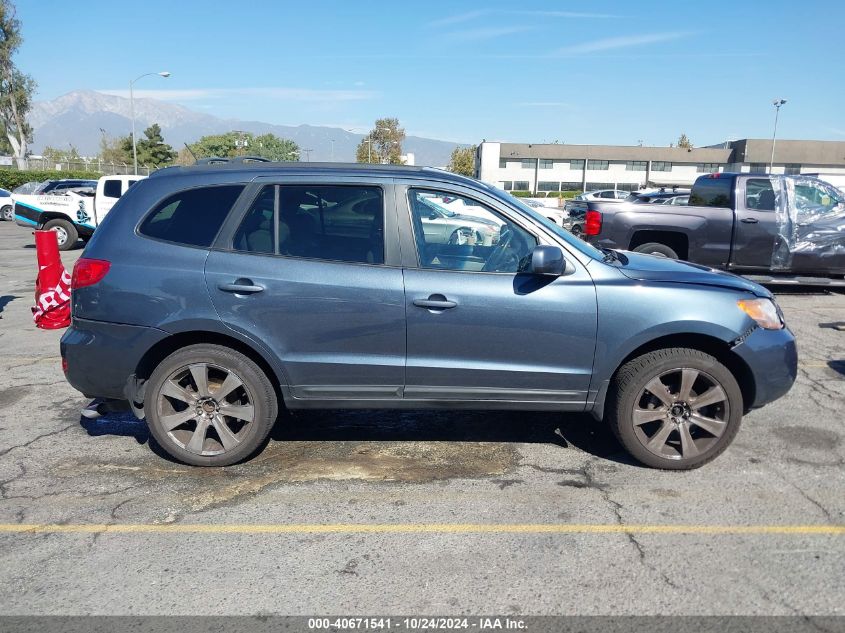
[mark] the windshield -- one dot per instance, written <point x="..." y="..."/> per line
<point x="539" y="218"/>
<point x="28" y="187"/>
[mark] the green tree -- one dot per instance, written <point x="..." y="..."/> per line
<point x="152" y="150"/>
<point x="462" y="161"/>
<point x="272" y="147"/>
<point x="383" y="144"/>
<point x="55" y="155"/>
<point x="684" y="142"/>
<point x="115" y="150"/>
<point x="16" y="88"/>
<point x="246" y="144"/>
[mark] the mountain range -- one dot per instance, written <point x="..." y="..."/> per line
<point x="81" y="117"/>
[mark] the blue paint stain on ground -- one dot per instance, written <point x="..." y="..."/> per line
<point x="122" y="423"/>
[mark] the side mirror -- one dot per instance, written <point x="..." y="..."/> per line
<point x="547" y="260"/>
<point x="432" y="216"/>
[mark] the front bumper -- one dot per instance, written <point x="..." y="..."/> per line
<point x="101" y="358"/>
<point x="772" y="357"/>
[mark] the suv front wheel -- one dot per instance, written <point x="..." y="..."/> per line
<point x="208" y="405"/>
<point x="675" y="408"/>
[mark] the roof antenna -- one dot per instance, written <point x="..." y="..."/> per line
<point x="187" y="147"/>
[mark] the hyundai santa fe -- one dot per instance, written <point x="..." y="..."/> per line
<point x="211" y="297"/>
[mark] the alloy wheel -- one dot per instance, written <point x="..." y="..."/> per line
<point x="61" y="234"/>
<point x="205" y="409"/>
<point x="681" y="413"/>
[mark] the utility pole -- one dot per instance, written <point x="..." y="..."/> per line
<point x="777" y="103"/>
<point x="163" y="74"/>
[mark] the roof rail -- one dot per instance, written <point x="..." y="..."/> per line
<point x="218" y="160"/>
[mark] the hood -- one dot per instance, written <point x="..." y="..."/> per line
<point x="644" y="267"/>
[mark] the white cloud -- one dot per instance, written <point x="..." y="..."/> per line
<point x="625" y="41"/>
<point x="545" y="104"/>
<point x="284" y="94"/>
<point x="487" y="33"/>
<point x="459" y="18"/>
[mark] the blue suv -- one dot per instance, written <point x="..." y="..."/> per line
<point x="213" y="296"/>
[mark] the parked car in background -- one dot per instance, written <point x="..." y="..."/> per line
<point x="656" y="197"/>
<point x="444" y="226"/>
<point x="603" y="194"/>
<point x="673" y="200"/>
<point x="749" y="223"/>
<point x="73" y="209"/>
<point x="7" y="206"/>
<point x="214" y="296"/>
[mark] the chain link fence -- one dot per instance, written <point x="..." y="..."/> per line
<point x="85" y="164"/>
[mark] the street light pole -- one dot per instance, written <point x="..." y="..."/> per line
<point x="163" y="74"/>
<point x="777" y="103"/>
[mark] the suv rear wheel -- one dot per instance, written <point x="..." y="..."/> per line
<point x="208" y="405"/>
<point x="675" y="408"/>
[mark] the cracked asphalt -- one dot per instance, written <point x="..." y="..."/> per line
<point x="410" y="468"/>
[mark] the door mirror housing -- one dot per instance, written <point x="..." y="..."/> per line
<point x="547" y="260"/>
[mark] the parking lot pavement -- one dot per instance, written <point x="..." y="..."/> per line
<point x="407" y="512"/>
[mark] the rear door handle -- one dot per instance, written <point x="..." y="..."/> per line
<point x="241" y="287"/>
<point x="435" y="302"/>
<point x="749" y="220"/>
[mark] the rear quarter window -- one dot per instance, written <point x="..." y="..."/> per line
<point x="111" y="188"/>
<point x="191" y="217"/>
<point x="711" y="192"/>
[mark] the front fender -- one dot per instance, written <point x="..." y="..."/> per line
<point x="632" y="315"/>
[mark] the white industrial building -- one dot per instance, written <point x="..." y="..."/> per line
<point x="548" y="167"/>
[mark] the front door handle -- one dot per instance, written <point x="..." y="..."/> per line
<point x="749" y="220"/>
<point x="435" y="302"/>
<point x="241" y="287"/>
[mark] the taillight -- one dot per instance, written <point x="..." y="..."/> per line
<point x="592" y="223"/>
<point x="88" y="272"/>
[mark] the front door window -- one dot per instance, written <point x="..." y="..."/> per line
<point x="458" y="233"/>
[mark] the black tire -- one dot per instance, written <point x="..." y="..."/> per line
<point x="255" y="390"/>
<point x="628" y="392"/>
<point x="655" y="248"/>
<point x="66" y="233"/>
<point x="577" y="231"/>
<point x="7" y="213"/>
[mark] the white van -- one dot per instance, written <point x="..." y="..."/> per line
<point x="72" y="214"/>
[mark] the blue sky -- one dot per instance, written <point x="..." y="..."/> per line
<point x="533" y="71"/>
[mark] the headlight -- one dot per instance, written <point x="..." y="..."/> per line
<point x="763" y="311"/>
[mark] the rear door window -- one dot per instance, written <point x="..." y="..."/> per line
<point x="191" y="217"/>
<point x="712" y="192"/>
<point x="343" y="223"/>
<point x="759" y="194"/>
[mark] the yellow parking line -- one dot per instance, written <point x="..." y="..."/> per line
<point x="416" y="528"/>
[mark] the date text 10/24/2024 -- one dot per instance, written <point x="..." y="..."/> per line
<point x="416" y="624"/>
